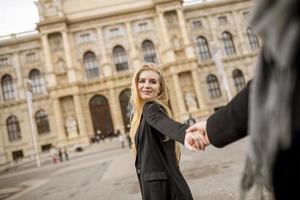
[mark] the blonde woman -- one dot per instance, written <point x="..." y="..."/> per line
<point x="154" y="134"/>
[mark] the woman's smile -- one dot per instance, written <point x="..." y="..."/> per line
<point x="148" y="85"/>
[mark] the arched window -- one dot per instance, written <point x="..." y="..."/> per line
<point x="90" y="65"/>
<point x="37" y="82"/>
<point x="228" y="44"/>
<point x="13" y="128"/>
<point x="202" y="48"/>
<point x="42" y="122"/>
<point x="213" y="86"/>
<point x="238" y="79"/>
<point x="8" y="88"/>
<point x="149" y="51"/>
<point x="120" y="58"/>
<point x="253" y="41"/>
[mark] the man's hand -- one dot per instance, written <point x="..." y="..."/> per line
<point x="192" y="141"/>
<point x="196" y="137"/>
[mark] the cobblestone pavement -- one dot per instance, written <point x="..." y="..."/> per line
<point x="106" y="172"/>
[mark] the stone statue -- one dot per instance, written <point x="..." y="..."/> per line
<point x="61" y="66"/>
<point x="190" y="101"/>
<point x="177" y="43"/>
<point x="71" y="126"/>
<point x="49" y="8"/>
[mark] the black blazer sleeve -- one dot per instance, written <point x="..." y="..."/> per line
<point x="156" y="118"/>
<point x="229" y="123"/>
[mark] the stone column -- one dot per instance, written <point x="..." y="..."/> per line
<point x="3" y="156"/>
<point x="115" y="110"/>
<point x="69" y="60"/>
<point x="165" y="41"/>
<point x="60" y="127"/>
<point x="215" y="43"/>
<point x="50" y="76"/>
<point x="189" y="50"/>
<point x="179" y="95"/>
<point x="133" y="53"/>
<point x="79" y="115"/>
<point x="197" y="87"/>
<point x="107" y="70"/>
<point x="20" y="90"/>
<point x="240" y="39"/>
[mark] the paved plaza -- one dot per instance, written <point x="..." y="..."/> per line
<point x="105" y="171"/>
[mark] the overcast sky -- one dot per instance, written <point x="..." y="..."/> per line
<point x="20" y="15"/>
<point x="17" y="16"/>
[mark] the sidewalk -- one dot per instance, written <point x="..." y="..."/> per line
<point x="94" y="148"/>
<point x="78" y="162"/>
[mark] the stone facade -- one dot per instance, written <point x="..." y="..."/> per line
<point x="83" y="54"/>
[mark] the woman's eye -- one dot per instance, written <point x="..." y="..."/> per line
<point x="141" y="81"/>
<point x="152" y="81"/>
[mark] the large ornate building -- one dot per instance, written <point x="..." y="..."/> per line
<point x="82" y="56"/>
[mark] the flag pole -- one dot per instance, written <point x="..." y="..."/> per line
<point x="217" y="58"/>
<point x="28" y="88"/>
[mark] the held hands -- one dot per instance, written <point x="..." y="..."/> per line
<point x="196" y="138"/>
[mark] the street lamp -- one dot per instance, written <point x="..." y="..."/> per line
<point x="28" y="90"/>
<point x="217" y="58"/>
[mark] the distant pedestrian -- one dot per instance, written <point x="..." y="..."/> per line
<point x="60" y="155"/>
<point x="66" y="155"/>
<point x="128" y="140"/>
<point x="54" y="153"/>
<point x="118" y="132"/>
<point x="121" y="139"/>
<point x="190" y="121"/>
<point x="98" y="136"/>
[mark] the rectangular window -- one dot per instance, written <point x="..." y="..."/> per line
<point x="31" y="57"/>
<point x="143" y="27"/>
<point x="85" y="38"/>
<point x="172" y="21"/>
<point x="222" y="20"/>
<point x="114" y="32"/>
<point x="197" y="25"/>
<point x="55" y="41"/>
<point x="4" y="62"/>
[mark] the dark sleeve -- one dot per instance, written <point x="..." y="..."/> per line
<point x="229" y="123"/>
<point x="156" y="117"/>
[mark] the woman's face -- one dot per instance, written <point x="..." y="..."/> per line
<point x="148" y="85"/>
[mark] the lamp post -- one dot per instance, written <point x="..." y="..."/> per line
<point x="217" y="58"/>
<point x="28" y="89"/>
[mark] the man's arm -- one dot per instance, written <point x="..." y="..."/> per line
<point x="229" y="123"/>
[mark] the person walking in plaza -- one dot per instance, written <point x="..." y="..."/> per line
<point x="154" y="134"/>
<point x="54" y="155"/>
<point x="66" y="154"/>
<point x="121" y="139"/>
<point x="129" y="142"/>
<point x="60" y="155"/>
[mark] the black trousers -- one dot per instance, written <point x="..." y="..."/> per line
<point x="286" y="174"/>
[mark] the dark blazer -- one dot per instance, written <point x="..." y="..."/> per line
<point x="156" y="165"/>
<point x="230" y="122"/>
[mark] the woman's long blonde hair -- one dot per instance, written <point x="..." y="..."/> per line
<point x="137" y="103"/>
